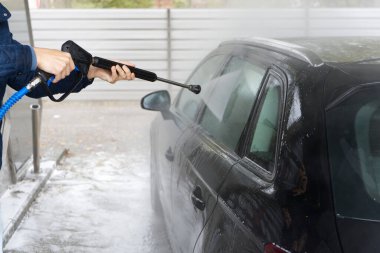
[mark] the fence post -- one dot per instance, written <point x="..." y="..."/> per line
<point x="169" y="43"/>
<point x="36" y="121"/>
<point x="29" y="23"/>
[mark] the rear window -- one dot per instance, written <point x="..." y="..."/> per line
<point x="353" y="133"/>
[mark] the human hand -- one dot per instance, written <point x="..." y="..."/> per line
<point x="55" y="62"/>
<point x="116" y="73"/>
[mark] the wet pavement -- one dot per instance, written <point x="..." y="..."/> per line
<point x="99" y="199"/>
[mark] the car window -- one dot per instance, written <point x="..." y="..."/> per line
<point x="263" y="146"/>
<point x="229" y="100"/>
<point x="354" y="153"/>
<point x="188" y="102"/>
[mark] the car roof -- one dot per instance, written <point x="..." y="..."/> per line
<point x="355" y="61"/>
<point x="317" y="51"/>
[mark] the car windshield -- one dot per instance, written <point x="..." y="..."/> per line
<point x="353" y="134"/>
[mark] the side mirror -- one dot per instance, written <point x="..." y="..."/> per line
<point x="156" y="101"/>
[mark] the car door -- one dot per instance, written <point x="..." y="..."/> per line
<point x="246" y="214"/>
<point x="169" y="127"/>
<point x="207" y="151"/>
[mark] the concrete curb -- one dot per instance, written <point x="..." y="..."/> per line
<point x="20" y="214"/>
<point x="13" y="206"/>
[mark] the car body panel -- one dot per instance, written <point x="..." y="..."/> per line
<point x="164" y="137"/>
<point x="354" y="241"/>
<point x="186" y="224"/>
<point x="197" y="154"/>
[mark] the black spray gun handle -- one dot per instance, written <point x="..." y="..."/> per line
<point x="84" y="59"/>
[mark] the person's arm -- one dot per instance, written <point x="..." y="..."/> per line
<point x="15" y="59"/>
<point x="49" y="60"/>
<point x="67" y="83"/>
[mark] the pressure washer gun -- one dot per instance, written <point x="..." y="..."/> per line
<point x="82" y="60"/>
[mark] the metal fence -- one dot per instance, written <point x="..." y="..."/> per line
<point x="172" y="42"/>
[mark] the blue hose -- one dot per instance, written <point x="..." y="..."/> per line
<point x="21" y="93"/>
<point x="11" y="101"/>
<point x="18" y="95"/>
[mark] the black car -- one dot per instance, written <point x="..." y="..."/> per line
<point x="280" y="152"/>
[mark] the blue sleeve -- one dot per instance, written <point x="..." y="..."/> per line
<point x="61" y="87"/>
<point x="34" y="59"/>
<point x="15" y="59"/>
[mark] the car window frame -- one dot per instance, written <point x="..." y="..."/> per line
<point x="255" y="57"/>
<point x="251" y="165"/>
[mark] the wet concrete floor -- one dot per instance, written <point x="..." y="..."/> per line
<point x="98" y="200"/>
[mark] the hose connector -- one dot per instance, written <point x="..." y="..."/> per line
<point x="34" y="83"/>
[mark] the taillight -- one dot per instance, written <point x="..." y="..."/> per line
<point x="273" y="248"/>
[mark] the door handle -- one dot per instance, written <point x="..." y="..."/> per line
<point x="169" y="154"/>
<point x="197" y="199"/>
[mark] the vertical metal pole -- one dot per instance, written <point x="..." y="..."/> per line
<point x="11" y="164"/>
<point x="29" y="23"/>
<point x="36" y="119"/>
<point x="169" y="43"/>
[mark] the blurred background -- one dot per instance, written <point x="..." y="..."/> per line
<point x="200" y="3"/>
<point x="171" y="36"/>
